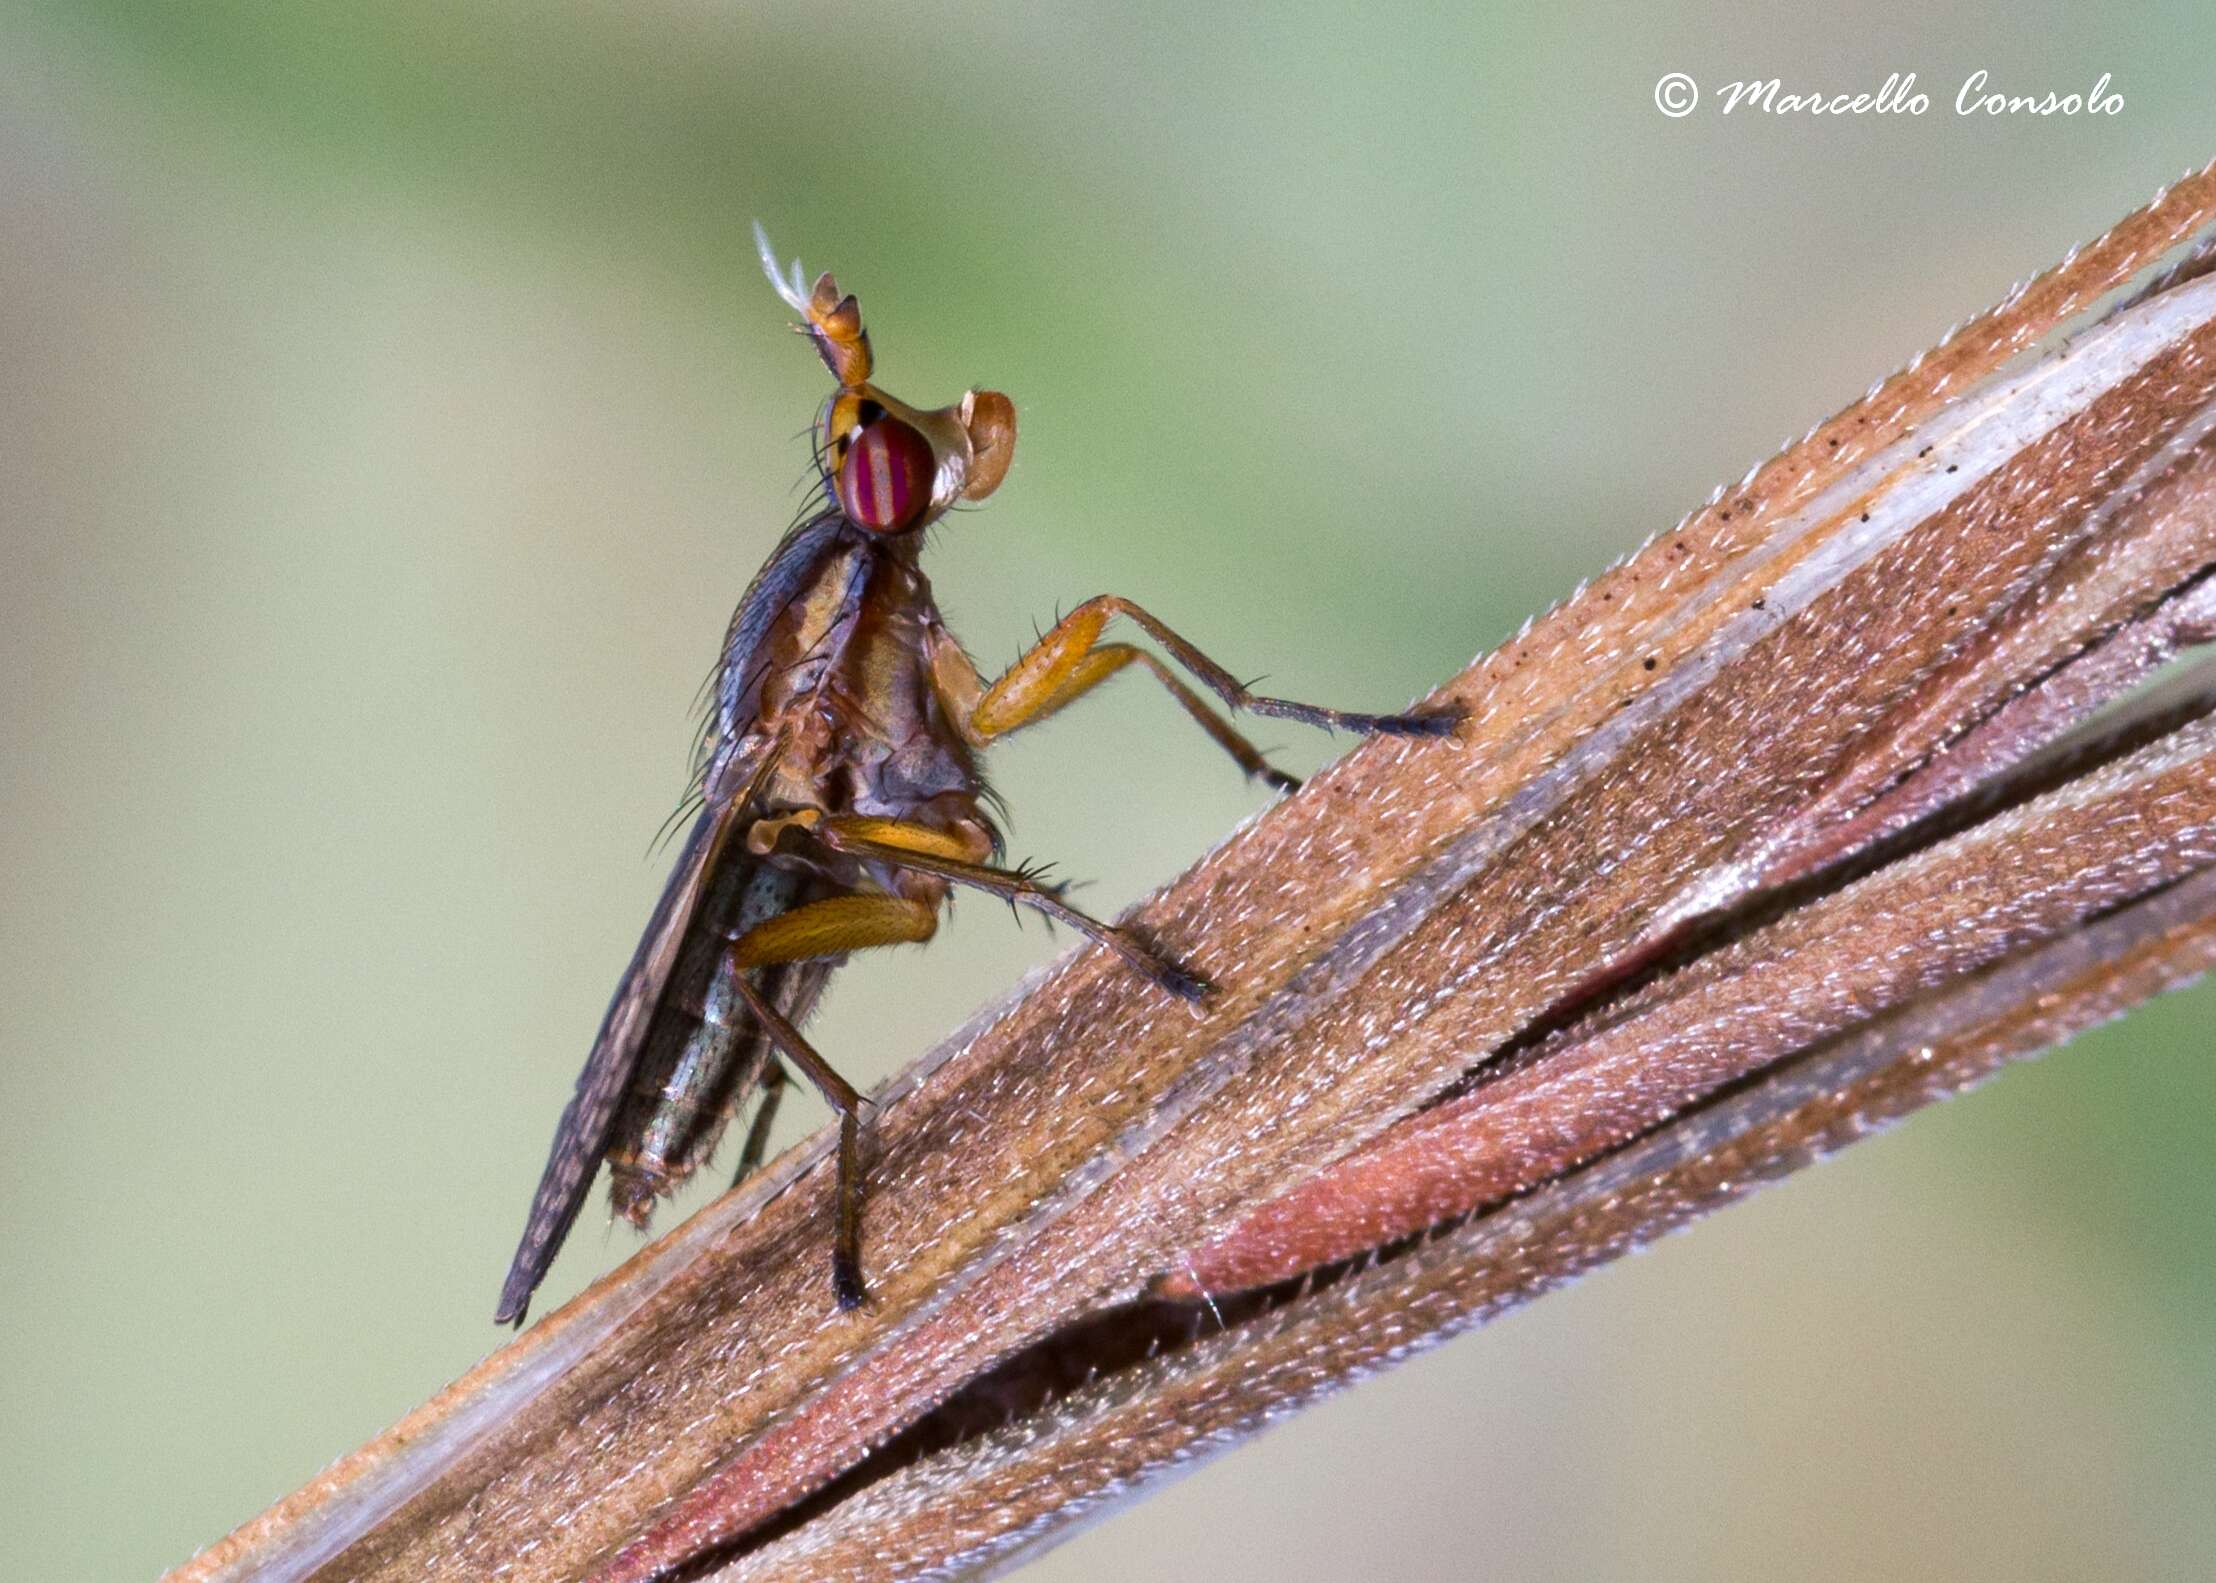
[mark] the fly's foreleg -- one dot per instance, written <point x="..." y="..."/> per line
<point x="1062" y="665"/>
<point x="832" y="926"/>
<point x="924" y="849"/>
<point x="1096" y="665"/>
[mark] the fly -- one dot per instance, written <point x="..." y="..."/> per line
<point x="840" y="802"/>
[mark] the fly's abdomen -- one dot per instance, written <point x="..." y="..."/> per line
<point x="703" y="1053"/>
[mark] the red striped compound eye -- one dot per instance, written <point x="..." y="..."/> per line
<point x="885" y="481"/>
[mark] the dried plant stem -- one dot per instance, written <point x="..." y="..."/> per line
<point x="972" y="1506"/>
<point x="2029" y="875"/>
<point x="1786" y="825"/>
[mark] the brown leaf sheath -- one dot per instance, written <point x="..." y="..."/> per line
<point x="2063" y="648"/>
<point x="983" y="1503"/>
<point x="1632" y="762"/>
<point x="2027" y="876"/>
<point x="2081" y="636"/>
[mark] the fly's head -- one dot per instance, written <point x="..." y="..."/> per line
<point x="893" y="468"/>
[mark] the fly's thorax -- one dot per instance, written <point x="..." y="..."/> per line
<point x="808" y="638"/>
<point x="926" y="777"/>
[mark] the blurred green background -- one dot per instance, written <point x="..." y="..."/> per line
<point x="390" y="412"/>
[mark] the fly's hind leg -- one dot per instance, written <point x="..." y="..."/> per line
<point x="1065" y="663"/>
<point x="846" y="1245"/>
<point x="832" y="926"/>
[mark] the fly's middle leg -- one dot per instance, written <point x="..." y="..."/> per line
<point x="834" y="926"/>
<point x="923" y="849"/>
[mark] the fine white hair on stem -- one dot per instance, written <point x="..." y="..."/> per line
<point x="791" y="288"/>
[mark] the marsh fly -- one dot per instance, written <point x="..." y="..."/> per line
<point x="839" y="801"/>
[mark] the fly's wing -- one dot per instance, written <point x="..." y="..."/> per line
<point x="582" y="1137"/>
<point x="588" y="1122"/>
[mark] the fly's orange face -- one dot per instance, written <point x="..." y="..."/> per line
<point x="893" y="467"/>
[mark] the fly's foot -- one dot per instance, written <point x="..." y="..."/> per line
<point x="1182" y="982"/>
<point x="846" y="1282"/>
<point x="1160" y="966"/>
<point x="1438" y="721"/>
